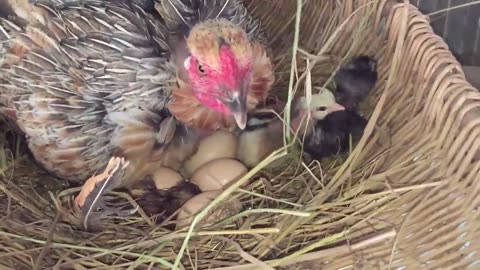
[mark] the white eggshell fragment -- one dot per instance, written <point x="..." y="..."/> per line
<point x="221" y="144"/>
<point x="200" y="201"/>
<point x="166" y="178"/>
<point x="218" y="174"/>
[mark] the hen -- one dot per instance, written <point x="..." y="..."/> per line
<point x="86" y="80"/>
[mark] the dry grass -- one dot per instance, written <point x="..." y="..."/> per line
<point x="407" y="195"/>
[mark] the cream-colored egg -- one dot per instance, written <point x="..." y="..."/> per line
<point x="200" y="201"/>
<point x="253" y="147"/>
<point x="218" y="174"/>
<point x="165" y="178"/>
<point x="221" y="144"/>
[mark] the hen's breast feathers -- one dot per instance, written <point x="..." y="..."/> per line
<point x="87" y="82"/>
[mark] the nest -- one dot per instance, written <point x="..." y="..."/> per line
<point x="405" y="198"/>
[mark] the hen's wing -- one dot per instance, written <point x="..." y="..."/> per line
<point x="85" y="80"/>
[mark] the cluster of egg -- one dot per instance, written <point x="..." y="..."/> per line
<point x="213" y="168"/>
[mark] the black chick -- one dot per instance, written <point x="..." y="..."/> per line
<point x="355" y="80"/>
<point x="331" y="135"/>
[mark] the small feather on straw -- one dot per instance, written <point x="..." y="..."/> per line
<point x="90" y="195"/>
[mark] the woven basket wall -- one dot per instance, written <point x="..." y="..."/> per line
<point x="429" y="160"/>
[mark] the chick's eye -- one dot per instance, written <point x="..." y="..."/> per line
<point x="322" y="109"/>
<point x="201" y="69"/>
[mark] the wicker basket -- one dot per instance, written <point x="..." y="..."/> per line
<point x="430" y="161"/>
<point x="406" y="198"/>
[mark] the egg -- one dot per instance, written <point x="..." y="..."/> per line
<point x="165" y="178"/>
<point x="202" y="200"/>
<point x="218" y="174"/>
<point x="221" y="144"/>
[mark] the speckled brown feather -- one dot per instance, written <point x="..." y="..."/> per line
<point x="88" y="81"/>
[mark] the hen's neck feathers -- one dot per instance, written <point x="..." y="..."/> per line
<point x="180" y="18"/>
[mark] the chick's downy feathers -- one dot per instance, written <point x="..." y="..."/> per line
<point x="355" y="80"/>
<point x="330" y="127"/>
<point x="262" y="135"/>
<point x="320" y="105"/>
<point x="332" y="134"/>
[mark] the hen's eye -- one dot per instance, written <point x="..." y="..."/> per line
<point x="323" y="108"/>
<point x="200" y="69"/>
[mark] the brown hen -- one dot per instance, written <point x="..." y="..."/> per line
<point x="86" y="80"/>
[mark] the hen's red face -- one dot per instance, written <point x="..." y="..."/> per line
<point x="222" y="88"/>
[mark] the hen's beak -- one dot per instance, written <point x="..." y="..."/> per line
<point x="238" y="107"/>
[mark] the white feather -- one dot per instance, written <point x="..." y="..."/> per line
<point x="186" y="63"/>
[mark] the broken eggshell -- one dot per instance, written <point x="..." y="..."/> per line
<point x="199" y="202"/>
<point x="221" y="144"/>
<point x="218" y="174"/>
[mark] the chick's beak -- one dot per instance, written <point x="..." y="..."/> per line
<point x="238" y="107"/>
<point x="335" y="108"/>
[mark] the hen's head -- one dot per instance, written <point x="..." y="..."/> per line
<point x="219" y="67"/>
